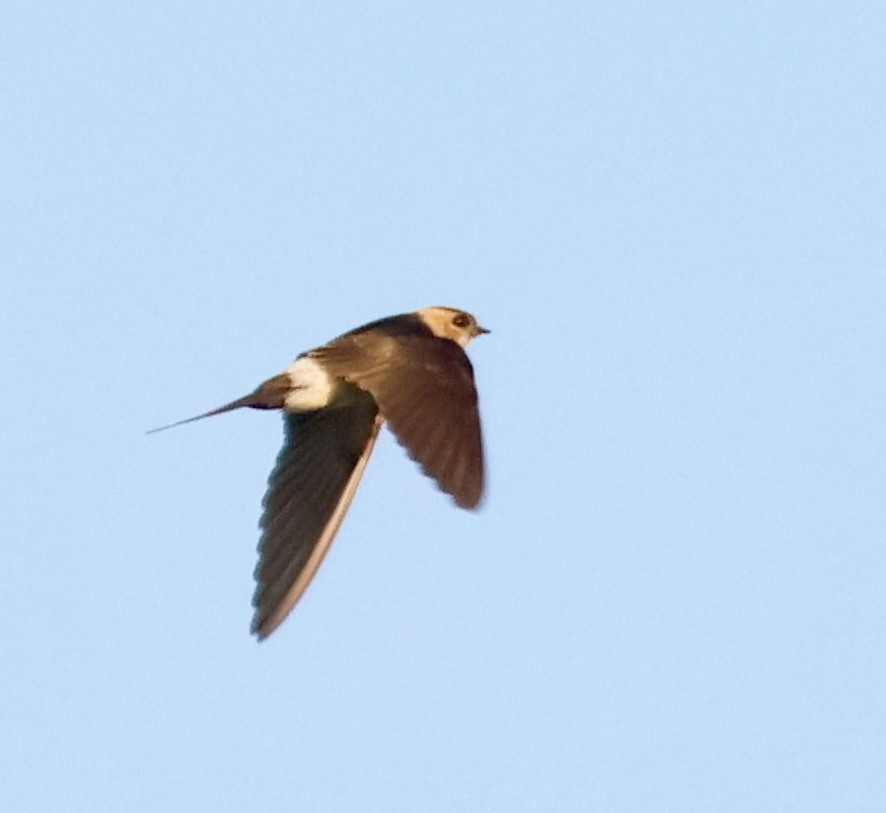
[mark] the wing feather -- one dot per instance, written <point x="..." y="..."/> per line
<point x="309" y="491"/>
<point x="424" y="387"/>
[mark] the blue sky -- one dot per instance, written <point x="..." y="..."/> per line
<point x="673" y="219"/>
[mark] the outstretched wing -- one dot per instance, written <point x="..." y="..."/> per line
<point x="309" y="491"/>
<point x="424" y="387"/>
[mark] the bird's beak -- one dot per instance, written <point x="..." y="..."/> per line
<point x="481" y="330"/>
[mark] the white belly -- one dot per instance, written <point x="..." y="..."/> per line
<point x="312" y="386"/>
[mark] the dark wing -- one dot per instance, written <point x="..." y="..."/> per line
<point x="309" y="491"/>
<point x="424" y="387"/>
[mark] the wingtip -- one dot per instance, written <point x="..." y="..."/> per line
<point x="469" y="503"/>
<point x="262" y="628"/>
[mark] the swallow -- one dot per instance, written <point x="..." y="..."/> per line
<point x="409" y="371"/>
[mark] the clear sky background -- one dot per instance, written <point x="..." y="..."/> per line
<point x="672" y="216"/>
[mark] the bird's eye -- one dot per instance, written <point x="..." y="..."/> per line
<point x="461" y="320"/>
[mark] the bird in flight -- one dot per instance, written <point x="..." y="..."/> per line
<point x="410" y="371"/>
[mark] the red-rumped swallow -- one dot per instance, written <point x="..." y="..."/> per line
<point x="409" y="370"/>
